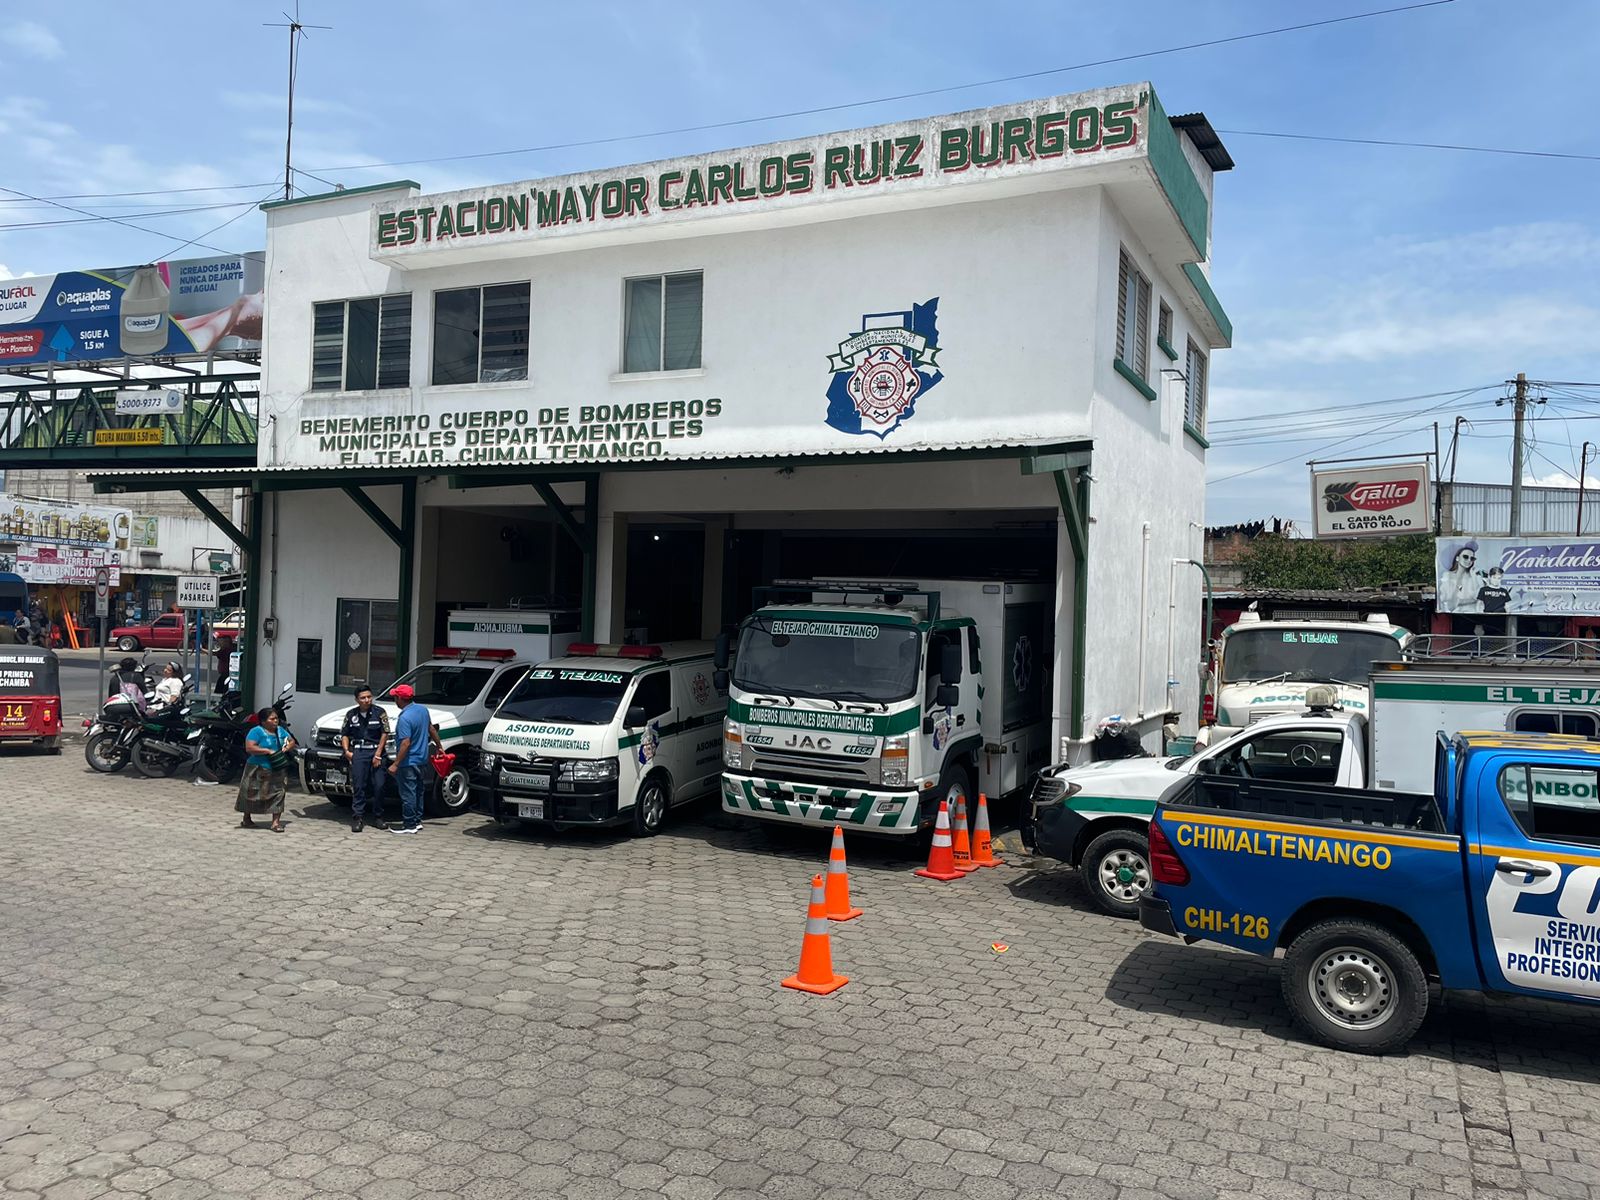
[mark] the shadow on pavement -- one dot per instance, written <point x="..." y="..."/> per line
<point x="1045" y="881"/>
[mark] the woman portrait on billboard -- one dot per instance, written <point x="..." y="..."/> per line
<point x="1459" y="586"/>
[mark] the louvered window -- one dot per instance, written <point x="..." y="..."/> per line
<point x="662" y="323"/>
<point x="1194" y="390"/>
<point x="1133" y="317"/>
<point x="357" y="345"/>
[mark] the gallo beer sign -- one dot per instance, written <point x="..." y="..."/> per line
<point x="1376" y="501"/>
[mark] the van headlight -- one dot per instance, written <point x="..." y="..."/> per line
<point x="589" y="770"/>
<point x="896" y="761"/>
<point x="732" y="744"/>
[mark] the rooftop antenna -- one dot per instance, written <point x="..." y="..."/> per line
<point x="297" y="30"/>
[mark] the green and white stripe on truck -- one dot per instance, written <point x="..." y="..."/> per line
<point x="814" y="802"/>
<point x="867" y="724"/>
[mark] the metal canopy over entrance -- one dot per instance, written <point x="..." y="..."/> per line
<point x="68" y="416"/>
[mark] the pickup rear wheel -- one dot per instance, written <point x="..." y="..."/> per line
<point x="1115" y="870"/>
<point x="1354" y="985"/>
<point x="127" y="642"/>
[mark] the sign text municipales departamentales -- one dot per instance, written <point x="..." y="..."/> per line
<point x="588" y="432"/>
<point x="1010" y="137"/>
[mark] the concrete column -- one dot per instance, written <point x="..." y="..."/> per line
<point x="611" y="576"/>
<point x="1061" y="701"/>
<point x="427" y="581"/>
<point x="716" y="532"/>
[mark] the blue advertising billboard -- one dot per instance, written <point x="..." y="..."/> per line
<point x="186" y="306"/>
<point x="1538" y="576"/>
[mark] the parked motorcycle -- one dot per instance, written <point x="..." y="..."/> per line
<point x="109" y="738"/>
<point x="211" y="742"/>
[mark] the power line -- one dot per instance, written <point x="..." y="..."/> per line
<point x="170" y="212"/>
<point x="219" y="187"/>
<point x="195" y="241"/>
<point x="1311" y="429"/>
<point x="130" y="224"/>
<point x="847" y="105"/>
<point x="1355" y="141"/>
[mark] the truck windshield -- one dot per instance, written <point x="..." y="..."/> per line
<point x="449" y="684"/>
<point x="828" y="657"/>
<point x="572" y="697"/>
<point x="1305" y="655"/>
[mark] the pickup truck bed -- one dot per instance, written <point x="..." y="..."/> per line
<point x="1307" y="802"/>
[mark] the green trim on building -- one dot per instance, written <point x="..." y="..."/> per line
<point x="1196" y="435"/>
<point x="1133" y="377"/>
<point x="1202" y="287"/>
<point x="1166" y="348"/>
<point x="355" y="191"/>
<point x="1176" y="176"/>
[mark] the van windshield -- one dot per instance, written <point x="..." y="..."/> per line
<point x="828" y="657"/>
<point x="571" y="696"/>
<point x="448" y="685"/>
<point x="1305" y="655"/>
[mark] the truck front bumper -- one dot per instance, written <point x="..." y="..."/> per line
<point x="1155" y="914"/>
<point x="893" y="811"/>
<point x="1056" y="829"/>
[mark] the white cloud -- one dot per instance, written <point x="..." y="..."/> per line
<point x="1505" y="247"/>
<point x="32" y="38"/>
<point x="1560" y="479"/>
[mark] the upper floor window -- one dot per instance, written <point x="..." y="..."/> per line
<point x="1164" y="329"/>
<point x="480" y="334"/>
<point x="1194" y="389"/>
<point x="1133" y="317"/>
<point x="662" y="323"/>
<point x="361" y="344"/>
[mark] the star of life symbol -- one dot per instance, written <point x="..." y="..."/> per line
<point x="1022" y="663"/>
<point x="883" y="385"/>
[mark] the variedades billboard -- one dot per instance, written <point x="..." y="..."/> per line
<point x="1515" y="575"/>
<point x="186" y="306"/>
<point x="1373" y="501"/>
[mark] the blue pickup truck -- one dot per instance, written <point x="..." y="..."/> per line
<point x="1492" y="883"/>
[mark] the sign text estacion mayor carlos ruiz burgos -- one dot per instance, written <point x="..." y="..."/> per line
<point x="512" y="435"/>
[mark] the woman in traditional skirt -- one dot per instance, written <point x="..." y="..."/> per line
<point x="266" y="772"/>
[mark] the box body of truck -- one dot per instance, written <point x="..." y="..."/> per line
<point x="836" y="707"/>
<point x="534" y="634"/>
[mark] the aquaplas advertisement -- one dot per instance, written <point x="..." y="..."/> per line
<point x="187" y="306"/>
<point x="1512" y="575"/>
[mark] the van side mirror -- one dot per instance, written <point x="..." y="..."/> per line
<point x="635" y="717"/>
<point x="719" y="679"/>
<point x="950" y="664"/>
<point x="948" y="695"/>
<point x="719" y="657"/>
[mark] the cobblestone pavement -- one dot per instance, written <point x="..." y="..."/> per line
<point x="192" y="1010"/>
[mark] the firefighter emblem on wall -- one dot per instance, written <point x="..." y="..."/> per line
<point x="879" y="373"/>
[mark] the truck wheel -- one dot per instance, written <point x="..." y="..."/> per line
<point x="1355" y="986"/>
<point x="650" y="807"/>
<point x="452" y="794"/>
<point x="127" y="643"/>
<point x="1115" y="870"/>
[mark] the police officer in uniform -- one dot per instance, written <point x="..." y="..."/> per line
<point x="365" y="734"/>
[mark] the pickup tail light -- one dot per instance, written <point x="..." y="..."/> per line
<point x="1165" y="865"/>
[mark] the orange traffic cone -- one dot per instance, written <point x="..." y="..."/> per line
<point x="982" y="846"/>
<point x="961" y="843"/>
<point x="816" y="957"/>
<point x="941" y="861"/>
<point x="838" y="889"/>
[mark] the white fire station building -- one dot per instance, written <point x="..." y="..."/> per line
<point x="975" y="345"/>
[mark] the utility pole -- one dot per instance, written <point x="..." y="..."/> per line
<point x="1518" y="413"/>
<point x="1583" y="471"/>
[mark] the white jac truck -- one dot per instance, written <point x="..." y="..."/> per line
<point x="1094" y="817"/>
<point x="608" y="735"/>
<point x="460" y="684"/>
<point x="866" y="703"/>
<point x="1262" y="668"/>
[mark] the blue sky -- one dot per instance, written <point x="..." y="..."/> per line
<point x="1355" y="275"/>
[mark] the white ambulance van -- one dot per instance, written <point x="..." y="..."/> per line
<point x="608" y="735"/>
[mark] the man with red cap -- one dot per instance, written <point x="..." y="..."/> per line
<point x="414" y="736"/>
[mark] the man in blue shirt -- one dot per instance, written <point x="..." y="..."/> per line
<point x="414" y="737"/>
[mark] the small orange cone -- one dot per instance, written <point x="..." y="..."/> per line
<point x="982" y="847"/>
<point x="816" y="957"/>
<point x="961" y="843"/>
<point x="838" y="889"/>
<point x="941" y="861"/>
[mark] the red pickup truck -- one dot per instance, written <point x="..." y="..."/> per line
<point x="164" y="633"/>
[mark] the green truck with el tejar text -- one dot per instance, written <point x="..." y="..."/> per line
<point x="866" y="703"/>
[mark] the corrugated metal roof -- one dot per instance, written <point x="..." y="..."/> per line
<point x="1205" y="139"/>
